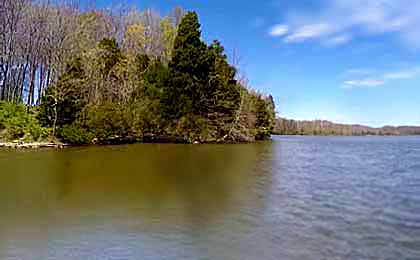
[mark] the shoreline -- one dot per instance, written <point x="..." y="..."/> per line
<point x="156" y="140"/>
<point x="32" y="145"/>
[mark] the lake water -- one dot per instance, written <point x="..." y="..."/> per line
<point x="293" y="198"/>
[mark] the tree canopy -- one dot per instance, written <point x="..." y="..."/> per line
<point x="126" y="77"/>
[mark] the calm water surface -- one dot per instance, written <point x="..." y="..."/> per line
<point x="293" y="198"/>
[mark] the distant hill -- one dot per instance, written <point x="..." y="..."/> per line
<point x="321" y="127"/>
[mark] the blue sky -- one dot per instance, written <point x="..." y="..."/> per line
<point x="349" y="61"/>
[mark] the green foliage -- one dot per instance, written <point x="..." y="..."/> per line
<point x="145" y="119"/>
<point x="109" y="55"/>
<point x="265" y="117"/>
<point x="188" y="69"/>
<point x="74" y="134"/>
<point x="201" y="81"/>
<point x="108" y="94"/>
<point x="63" y="102"/>
<point x="192" y="128"/>
<point x="141" y="63"/>
<point x="18" y="123"/>
<point x="156" y="77"/>
<point x="106" y="121"/>
<point x="224" y="92"/>
<point x="101" y="76"/>
<point x="169" y="33"/>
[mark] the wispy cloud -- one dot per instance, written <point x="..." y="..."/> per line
<point x="279" y="30"/>
<point x="359" y="71"/>
<point x="379" y="80"/>
<point x="338" y="40"/>
<point x="342" y="20"/>
<point x="363" y="83"/>
<point x="407" y="74"/>
<point x="310" y="31"/>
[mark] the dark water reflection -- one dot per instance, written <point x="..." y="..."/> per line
<point x="130" y="202"/>
<point x="294" y="198"/>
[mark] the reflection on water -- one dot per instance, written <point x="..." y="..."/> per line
<point x="127" y="202"/>
<point x="294" y="198"/>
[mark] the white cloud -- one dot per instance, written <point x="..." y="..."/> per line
<point x="279" y="30"/>
<point x="338" y="40"/>
<point x="359" y="71"/>
<point x="358" y="18"/>
<point x="309" y="32"/>
<point x="363" y="83"/>
<point x="407" y="74"/>
<point x="379" y="80"/>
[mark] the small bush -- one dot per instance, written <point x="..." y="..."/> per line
<point x="192" y="128"/>
<point x="73" y="134"/>
<point x="106" y="121"/>
<point x="16" y="122"/>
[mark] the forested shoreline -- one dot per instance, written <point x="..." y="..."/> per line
<point x="321" y="127"/>
<point x="120" y="75"/>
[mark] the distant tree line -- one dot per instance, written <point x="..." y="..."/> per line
<point x="319" y="127"/>
<point x="121" y="74"/>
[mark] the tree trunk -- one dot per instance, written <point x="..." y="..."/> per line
<point x="41" y="84"/>
<point x="4" y="84"/>
<point x="31" y="92"/>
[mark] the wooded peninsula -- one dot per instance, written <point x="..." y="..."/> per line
<point x="79" y="76"/>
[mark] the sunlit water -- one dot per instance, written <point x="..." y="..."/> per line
<point x="293" y="198"/>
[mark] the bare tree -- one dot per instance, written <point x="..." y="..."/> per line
<point x="10" y="17"/>
<point x="39" y="37"/>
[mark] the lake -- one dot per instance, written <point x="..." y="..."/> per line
<point x="293" y="198"/>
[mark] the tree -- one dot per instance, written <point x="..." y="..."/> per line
<point x="223" y="94"/>
<point x="64" y="101"/>
<point x="168" y="33"/>
<point x="224" y="90"/>
<point x="11" y="16"/>
<point x="188" y="69"/>
<point x="164" y="80"/>
<point x="265" y="117"/>
<point x="101" y="64"/>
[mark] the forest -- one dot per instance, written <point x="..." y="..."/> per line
<point x="321" y="127"/>
<point x="86" y="75"/>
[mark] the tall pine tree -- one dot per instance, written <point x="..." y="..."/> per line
<point x="188" y="69"/>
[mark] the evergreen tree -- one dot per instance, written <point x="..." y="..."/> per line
<point x="110" y="54"/>
<point x="188" y="69"/>
<point x="265" y="113"/>
<point x="223" y="90"/>
<point x="63" y="101"/>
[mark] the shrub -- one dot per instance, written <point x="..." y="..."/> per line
<point x="106" y="121"/>
<point x="16" y="122"/>
<point x="73" y="134"/>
